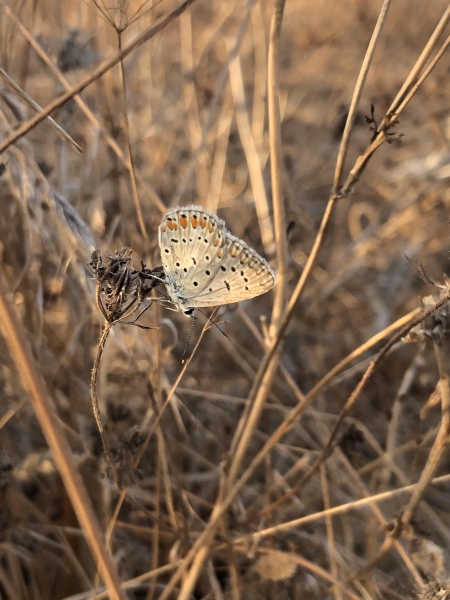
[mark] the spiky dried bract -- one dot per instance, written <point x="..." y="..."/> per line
<point x="121" y="288"/>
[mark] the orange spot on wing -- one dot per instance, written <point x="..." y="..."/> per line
<point x="164" y="228"/>
<point x="211" y="227"/>
<point x="219" y="253"/>
<point x="194" y="222"/>
<point x="202" y="223"/>
<point x="172" y="225"/>
<point x="216" y="241"/>
<point x="184" y="222"/>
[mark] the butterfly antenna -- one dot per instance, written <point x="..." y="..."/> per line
<point x="211" y="320"/>
<point x="193" y="319"/>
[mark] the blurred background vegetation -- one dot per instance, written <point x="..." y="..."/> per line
<point x="183" y="120"/>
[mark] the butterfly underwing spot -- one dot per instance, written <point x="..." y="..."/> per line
<point x="172" y="224"/>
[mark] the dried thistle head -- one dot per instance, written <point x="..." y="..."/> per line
<point x="120" y="291"/>
<point x="120" y="288"/>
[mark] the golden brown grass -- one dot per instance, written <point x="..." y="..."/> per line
<point x="304" y="454"/>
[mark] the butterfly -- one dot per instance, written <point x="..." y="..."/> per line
<point x="205" y="265"/>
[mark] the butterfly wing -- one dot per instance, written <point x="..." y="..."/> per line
<point x="204" y="264"/>
<point x="191" y="241"/>
<point x="242" y="274"/>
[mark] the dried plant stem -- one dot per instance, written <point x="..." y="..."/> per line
<point x="373" y="499"/>
<point x="209" y="121"/>
<point x="442" y="441"/>
<point x="250" y="150"/>
<point x="360" y="82"/>
<point x="404" y="321"/>
<point x="194" y="126"/>
<point x="94" y="378"/>
<point x="247" y="426"/>
<point x="330" y="533"/>
<point x="411" y="81"/>
<point x="408" y="380"/>
<point x="407" y="91"/>
<point x="273" y="102"/>
<point x="263" y="378"/>
<point x="174" y="387"/>
<point x="71" y="143"/>
<point x="94" y="398"/>
<point x="391" y="117"/>
<point x="130" y="161"/>
<point x="58" y="444"/>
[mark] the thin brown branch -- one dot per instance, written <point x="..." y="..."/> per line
<point x="360" y="83"/>
<point x="273" y="102"/>
<point x="439" y="329"/>
<point x="71" y="143"/>
<point x="129" y="152"/>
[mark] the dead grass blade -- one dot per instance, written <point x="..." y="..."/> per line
<point x="71" y="143"/>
